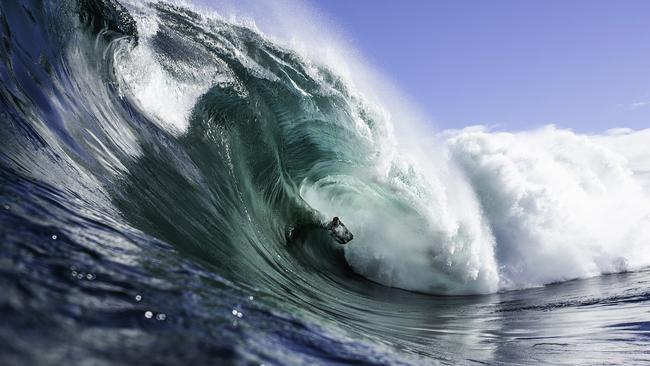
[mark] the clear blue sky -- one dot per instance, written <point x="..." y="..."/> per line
<point x="518" y="64"/>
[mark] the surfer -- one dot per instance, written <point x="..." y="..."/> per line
<point x="337" y="230"/>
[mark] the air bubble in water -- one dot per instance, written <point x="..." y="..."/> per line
<point x="54" y="237"/>
<point x="138" y="297"/>
<point x="148" y="314"/>
<point x="161" y="316"/>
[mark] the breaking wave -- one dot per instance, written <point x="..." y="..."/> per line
<point x="210" y="136"/>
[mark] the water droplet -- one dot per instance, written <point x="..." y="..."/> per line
<point x="161" y="316"/>
<point x="239" y="314"/>
<point x="90" y="276"/>
<point x="7" y="207"/>
<point x="234" y="312"/>
<point x="74" y="273"/>
<point x="148" y="314"/>
<point x="54" y="237"/>
<point x="250" y="298"/>
<point x="138" y="297"/>
<point x="80" y="276"/>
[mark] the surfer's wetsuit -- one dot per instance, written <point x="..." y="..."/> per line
<point x="337" y="230"/>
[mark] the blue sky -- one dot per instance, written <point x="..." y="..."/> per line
<point x="583" y="65"/>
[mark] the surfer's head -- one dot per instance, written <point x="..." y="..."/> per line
<point x="336" y="220"/>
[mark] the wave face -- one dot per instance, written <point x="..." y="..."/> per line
<point x="152" y="152"/>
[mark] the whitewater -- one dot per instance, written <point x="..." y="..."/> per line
<point x="163" y="151"/>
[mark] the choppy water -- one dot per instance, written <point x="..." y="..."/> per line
<point x="153" y="160"/>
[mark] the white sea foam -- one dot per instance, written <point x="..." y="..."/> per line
<point x="561" y="205"/>
<point x="634" y="146"/>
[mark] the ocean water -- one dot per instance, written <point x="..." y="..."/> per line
<point x="155" y="157"/>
